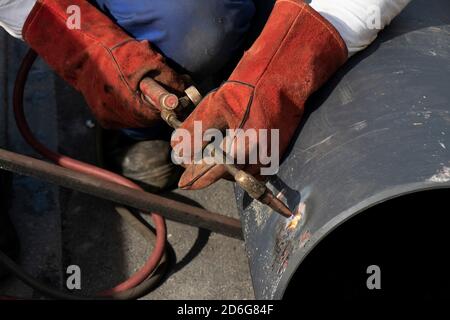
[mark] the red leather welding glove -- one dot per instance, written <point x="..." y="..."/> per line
<point x="100" y="60"/>
<point x="297" y="51"/>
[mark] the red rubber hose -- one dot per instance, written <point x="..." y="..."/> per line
<point x="69" y="163"/>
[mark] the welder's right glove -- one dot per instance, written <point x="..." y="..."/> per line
<point x="296" y="53"/>
<point x="100" y="60"/>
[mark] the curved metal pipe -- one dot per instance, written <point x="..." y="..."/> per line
<point x="378" y="131"/>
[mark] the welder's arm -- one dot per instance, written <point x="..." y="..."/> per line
<point x="94" y="55"/>
<point x="13" y="14"/>
<point x="300" y="48"/>
<point x="359" y="21"/>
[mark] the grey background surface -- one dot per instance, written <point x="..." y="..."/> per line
<point x="58" y="227"/>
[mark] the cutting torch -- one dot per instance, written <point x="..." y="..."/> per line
<point x="170" y="105"/>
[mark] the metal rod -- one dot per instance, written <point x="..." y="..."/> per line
<point x="144" y="201"/>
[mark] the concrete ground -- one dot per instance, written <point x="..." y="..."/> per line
<point x="59" y="227"/>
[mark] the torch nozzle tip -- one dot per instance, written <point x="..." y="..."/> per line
<point x="277" y="205"/>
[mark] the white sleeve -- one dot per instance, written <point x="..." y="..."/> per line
<point x="13" y="14"/>
<point x="359" y="21"/>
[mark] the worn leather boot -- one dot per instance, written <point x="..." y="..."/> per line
<point x="146" y="162"/>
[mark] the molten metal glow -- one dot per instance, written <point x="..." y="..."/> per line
<point x="297" y="217"/>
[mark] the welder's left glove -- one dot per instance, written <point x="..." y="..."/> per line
<point x="94" y="55"/>
<point x="297" y="51"/>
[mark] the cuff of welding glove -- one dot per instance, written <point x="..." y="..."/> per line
<point x="359" y="21"/>
<point x="13" y="14"/>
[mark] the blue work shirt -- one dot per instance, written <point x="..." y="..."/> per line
<point x="200" y="36"/>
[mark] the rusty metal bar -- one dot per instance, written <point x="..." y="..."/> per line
<point x="144" y="201"/>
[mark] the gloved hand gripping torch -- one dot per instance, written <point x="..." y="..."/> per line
<point x="169" y="105"/>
